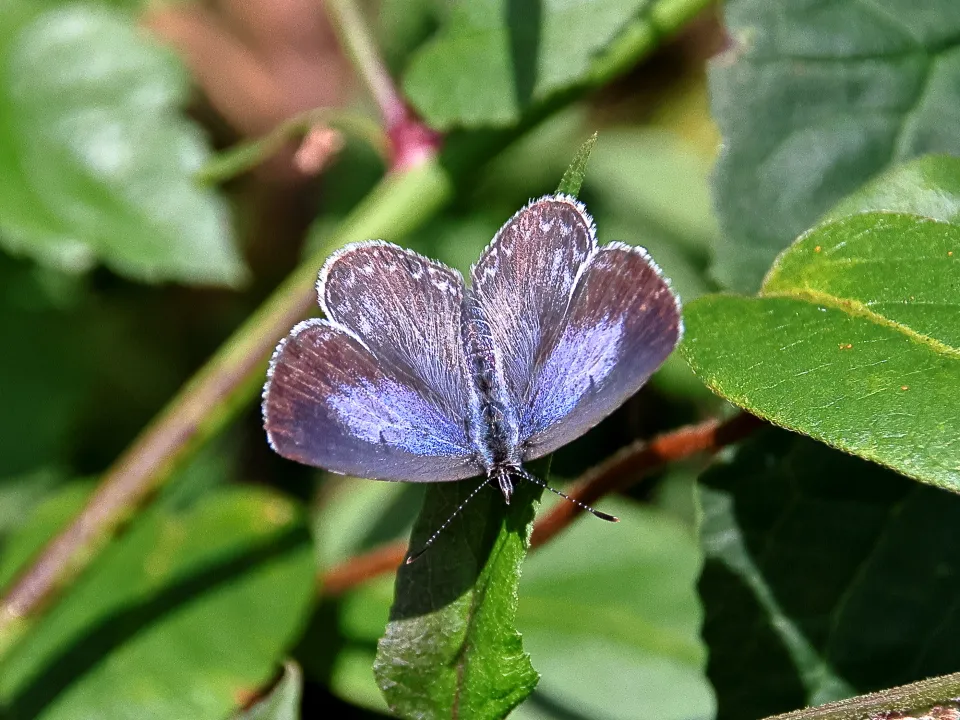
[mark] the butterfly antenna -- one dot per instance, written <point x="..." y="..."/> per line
<point x="461" y="506"/>
<point x="583" y="506"/>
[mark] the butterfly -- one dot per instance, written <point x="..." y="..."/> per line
<point x="414" y="376"/>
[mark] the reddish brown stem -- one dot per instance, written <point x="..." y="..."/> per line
<point x="411" y="141"/>
<point x="617" y="472"/>
<point x="637" y="460"/>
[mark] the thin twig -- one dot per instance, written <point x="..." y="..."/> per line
<point x="412" y="142"/>
<point x="924" y="699"/>
<point x="247" y="155"/>
<point x="617" y="472"/>
<point x="633" y="462"/>
<point x="358" y="42"/>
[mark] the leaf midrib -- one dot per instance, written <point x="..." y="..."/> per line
<point x="855" y="308"/>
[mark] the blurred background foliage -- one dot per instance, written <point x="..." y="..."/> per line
<point x="121" y="273"/>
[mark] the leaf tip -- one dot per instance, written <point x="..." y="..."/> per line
<point x="574" y="175"/>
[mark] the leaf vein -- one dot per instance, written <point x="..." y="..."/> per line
<point x="855" y="308"/>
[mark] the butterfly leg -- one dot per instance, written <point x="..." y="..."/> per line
<point x="501" y="475"/>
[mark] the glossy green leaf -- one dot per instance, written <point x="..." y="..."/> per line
<point x="825" y="577"/>
<point x="185" y="616"/>
<point x="608" y="613"/>
<point x="451" y="648"/>
<point x="283" y="702"/>
<point x="96" y="161"/>
<point x="814" y="99"/>
<point x="854" y="341"/>
<point x="525" y="51"/>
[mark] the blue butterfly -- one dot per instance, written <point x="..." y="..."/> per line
<point x="413" y="376"/>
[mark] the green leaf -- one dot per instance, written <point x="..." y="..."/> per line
<point x="96" y="161"/>
<point x="825" y="576"/>
<point x="610" y="617"/>
<point x="589" y="617"/>
<point x="451" y="648"/>
<point x="186" y="615"/>
<point x="928" y="186"/>
<point x="854" y="341"/>
<point x="527" y="51"/>
<point x="283" y="702"/>
<point x="574" y="175"/>
<point x="813" y="100"/>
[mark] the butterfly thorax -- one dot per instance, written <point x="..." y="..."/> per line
<point x="492" y="425"/>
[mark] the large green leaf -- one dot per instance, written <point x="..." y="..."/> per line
<point x="825" y="576"/>
<point x="608" y="614"/>
<point x="813" y="99"/>
<point x="96" y="162"/>
<point x="855" y="341"/>
<point x="451" y="648"/>
<point x="525" y="52"/>
<point x="185" y="616"/>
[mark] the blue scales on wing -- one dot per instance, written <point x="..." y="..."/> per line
<point x="585" y="327"/>
<point x="378" y="389"/>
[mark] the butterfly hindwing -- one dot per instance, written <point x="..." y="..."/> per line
<point x="406" y="310"/>
<point x="329" y="402"/>
<point x="622" y="323"/>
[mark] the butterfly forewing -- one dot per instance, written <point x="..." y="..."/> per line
<point x="524" y="280"/>
<point x="378" y="390"/>
<point x="622" y="323"/>
<point x="406" y="310"/>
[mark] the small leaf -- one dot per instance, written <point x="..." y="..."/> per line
<point x="96" y="162"/>
<point x="854" y="341"/>
<point x="451" y="648"/>
<point x="573" y="176"/>
<point x="825" y="577"/>
<point x="283" y="702"/>
<point x="528" y="51"/>
<point x="815" y="99"/>
<point x="185" y="616"/>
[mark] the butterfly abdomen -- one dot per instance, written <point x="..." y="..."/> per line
<point x="493" y="425"/>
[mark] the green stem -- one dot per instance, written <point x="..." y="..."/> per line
<point x="247" y="155"/>
<point x="209" y="401"/>
<point x="916" y="700"/>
